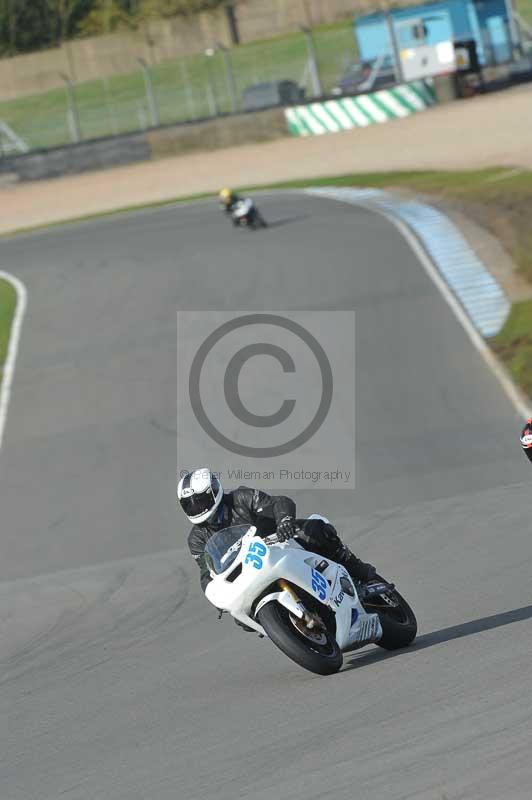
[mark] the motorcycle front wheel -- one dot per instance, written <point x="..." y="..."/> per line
<point x="315" y="650"/>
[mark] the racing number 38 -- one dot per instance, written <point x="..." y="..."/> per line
<point x="255" y="554"/>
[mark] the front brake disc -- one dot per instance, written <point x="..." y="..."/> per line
<point x="317" y="636"/>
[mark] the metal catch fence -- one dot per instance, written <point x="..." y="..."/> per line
<point x="196" y="87"/>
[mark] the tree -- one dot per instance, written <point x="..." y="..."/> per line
<point x="29" y="25"/>
<point x="23" y="26"/>
<point x="173" y="8"/>
<point x="68" y="14"/>
<point x="109" y="15"/>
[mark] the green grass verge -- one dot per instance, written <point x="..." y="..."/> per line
<point x="118" y="104"/>
<point x="514" y="345"/>
<point x="524" y="8"/>
<point x="8" y="303"/>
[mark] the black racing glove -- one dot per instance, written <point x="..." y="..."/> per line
<point x="286" y="528"/>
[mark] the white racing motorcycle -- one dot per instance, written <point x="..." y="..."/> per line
<point x="246" y="214"/>
<point x="306" y="604"/>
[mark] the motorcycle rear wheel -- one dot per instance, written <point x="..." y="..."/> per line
<point x="316" y="651"/>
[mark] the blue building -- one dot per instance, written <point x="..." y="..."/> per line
<point x="488" y="22"/>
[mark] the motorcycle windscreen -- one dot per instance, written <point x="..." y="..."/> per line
<point x="223" y="547"/>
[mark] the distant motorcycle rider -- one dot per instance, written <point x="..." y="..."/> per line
<point x="228" y="200"/>
<point x="241" y="210"/>
<point x="526" y="439"/>
<point x="210" y="509"/>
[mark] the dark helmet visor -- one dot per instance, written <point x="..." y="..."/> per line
<point x="197" y="504"/>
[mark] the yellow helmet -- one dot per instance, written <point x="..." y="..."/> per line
<point x="225" y="194"/>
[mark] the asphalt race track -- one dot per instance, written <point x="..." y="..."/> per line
<point x="116" y="680"/>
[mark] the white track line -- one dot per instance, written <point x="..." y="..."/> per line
<point x="12" y="349"/>
<point x="519" y="402"/>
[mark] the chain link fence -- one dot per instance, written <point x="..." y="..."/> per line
<point x="190" y="88"/>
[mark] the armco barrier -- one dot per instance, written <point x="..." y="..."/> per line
<point x="209" y="134"/>
<point x="345" y="113"/>
<point x="214" y="134"/>
<point x="75" y="158"/>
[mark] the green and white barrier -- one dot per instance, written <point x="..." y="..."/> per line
<point x="360" y="111"/>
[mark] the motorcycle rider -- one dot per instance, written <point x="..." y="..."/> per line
<point x="228" y="200"/>
<point x="210" y="509"/>
<point x="526" y="439"/>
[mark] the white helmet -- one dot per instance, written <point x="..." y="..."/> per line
<point x="200" y="493"/>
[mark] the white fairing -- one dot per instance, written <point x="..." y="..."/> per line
<point x="260" y="565"/>
<point x="243" y="207"/>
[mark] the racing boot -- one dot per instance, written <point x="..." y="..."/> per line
<point x="364" y="575"/>
<point x="358" y="570"/>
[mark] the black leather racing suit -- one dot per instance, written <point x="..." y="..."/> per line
<point x="245" y="506"/>
<point x="231" y="202"/>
